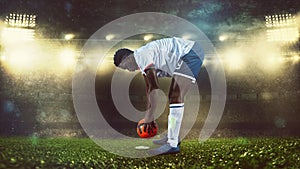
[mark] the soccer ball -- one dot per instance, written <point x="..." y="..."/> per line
<point x="145" y="134"/>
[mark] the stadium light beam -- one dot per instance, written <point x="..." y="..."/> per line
<point x="20" y="59"/>
<point x="295" y="58"/>
<point x="14" y="35"/>
<point x="3" y="58"/>
<point x="234" y="60"/>
<point x="69" y="36"/>
<point x="223" y="38"/>
<point x="273" y="62"/>
<point x="148" y="37"/>
<point x="110" y="37"/>
<point x="68" y="57"/>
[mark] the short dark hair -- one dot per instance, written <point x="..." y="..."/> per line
<point x="120" y="55"/>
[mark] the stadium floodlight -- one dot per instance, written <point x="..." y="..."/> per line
<point x="110" y="37"/>
<point x="20" y="20"/>
<point x="19" y="27"/>
<point x="282" y="28"/>
<point x="223" y="38"/>
<point x="69" y="36"/>
<point x="148" y="37"/>
<point x="283" y="35"/>
<point x="295" y="58"/>
<point x="16" y="34"/>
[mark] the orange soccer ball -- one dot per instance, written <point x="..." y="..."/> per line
<point x="140" y="129"/>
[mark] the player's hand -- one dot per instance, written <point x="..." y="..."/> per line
<point x="149" y="127"/>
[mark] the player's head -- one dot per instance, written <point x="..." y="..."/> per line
<point x="120" y="55"/>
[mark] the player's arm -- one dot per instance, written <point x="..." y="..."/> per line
<point x="152" y="86"/>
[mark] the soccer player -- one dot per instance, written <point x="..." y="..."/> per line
<point x="173" y="57"/>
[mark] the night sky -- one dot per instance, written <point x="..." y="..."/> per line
<point x="85" y="17"/>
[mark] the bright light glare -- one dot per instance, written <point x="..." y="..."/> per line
<point x="68" y="57"/>
<point x="295" y="58"/>
<point x="148" y="37"/>
<point x="69" y="36"/>
<point x="20" y="60"/>
<point x="234" y="60"/>
<point x="3" y="58"/>
<point x="186" y="37"/>
<point x="223" y="38"/>
<point x="14" y="35"/>
<point x="283" y="34"/>
<point x="106" y="66"/>
<point x="205" y="62"/>
<point x="21" y="57"/>
<point x="110" y="37"/>
<point x="273" y="62"/>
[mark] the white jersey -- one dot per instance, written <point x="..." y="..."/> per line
<point x="162" y="54"/>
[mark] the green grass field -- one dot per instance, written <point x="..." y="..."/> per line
<point x="214" y="153"/>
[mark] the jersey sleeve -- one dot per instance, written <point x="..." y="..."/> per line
<point x="144" y="58"/>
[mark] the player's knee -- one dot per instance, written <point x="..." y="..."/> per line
<point x="175" y="97"/>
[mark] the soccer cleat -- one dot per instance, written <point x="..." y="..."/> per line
<point x="164" y="150"/>
<point x="164" y="141"/>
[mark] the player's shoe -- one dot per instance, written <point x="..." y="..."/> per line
<point x="163" y="140"/>
<point x="164" y="150"/>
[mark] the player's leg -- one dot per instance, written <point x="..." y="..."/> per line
<point x="178" y="89"/>
<point x="185" y="74"/>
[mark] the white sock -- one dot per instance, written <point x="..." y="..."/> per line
<point x="174" y="123"/>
